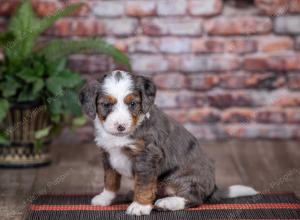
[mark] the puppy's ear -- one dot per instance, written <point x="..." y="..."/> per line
<point x="88" y="96"/>
<point x="148" y="92"/>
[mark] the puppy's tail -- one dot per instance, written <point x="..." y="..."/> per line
<point x="232" y="192"/>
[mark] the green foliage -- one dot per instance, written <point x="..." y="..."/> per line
<point x="33" y="71"/>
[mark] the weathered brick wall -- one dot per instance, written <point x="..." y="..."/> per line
<point x="223" y="68"/>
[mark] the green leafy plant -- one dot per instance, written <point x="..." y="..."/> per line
<point x="37" y="71"/>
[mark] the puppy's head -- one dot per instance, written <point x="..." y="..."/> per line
<point x="120" y="100"/>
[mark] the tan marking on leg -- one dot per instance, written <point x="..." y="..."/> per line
<point x="112" y="180"/>
<point x="144" y="193"/>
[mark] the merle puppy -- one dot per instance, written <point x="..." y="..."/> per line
<point x="139" y="141"/>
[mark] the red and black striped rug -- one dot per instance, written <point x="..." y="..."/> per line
<point x="77" y="207"/>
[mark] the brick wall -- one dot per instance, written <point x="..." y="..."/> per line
<point x="224" y="69"/>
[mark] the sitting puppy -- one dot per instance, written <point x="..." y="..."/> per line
<point x="141" y="142"/>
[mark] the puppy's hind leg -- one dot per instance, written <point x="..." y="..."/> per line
<point x="184" y="196"/>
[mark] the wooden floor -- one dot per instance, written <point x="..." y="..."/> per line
<point x="76" y="168"/>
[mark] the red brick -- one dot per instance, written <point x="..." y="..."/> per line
<point x="294" y="6"/>
<point x="149" y="63"/>
<point x="297" y="43"/>
<point x="272" y="62"/>
<point x="204" y="115"/>
<point x="223" y="99"/>
<point x="179" y="115"/>
<point x="121" y="44"/>
<point x="83" y="11"/>
<point x="254" y="80"/>
<point x="278" y="7"/>
<point x="218" y="45"/>
<point x="187" y="99"/>
<point x="170" y="81"/>
<point x="141" y="8"/>
<point x="108" y="8"/>
<point x="294" y="81"/>
<point x="45" y="8"/>
<point x="238" y="25"/>
<point x="171" y="7"/>
<point x="205" y="8"/>
<point x="273" y="7"/>
<point x="166" y="99"/>
<point x="274" y="44"/>
<point x="8" y="7"/>
<point x="237" y="115"/>
<point x="293" y="115"/>
<point x="174" y="62"/>
<point x="289" y="24"/>
<point x="202" y="82"/>
<point x="174" y="26"/>
<point x="175" y="45"/>
<point x="270" y="115"/>
<point x="240" y="45"/>
<point x="62" y="28"/>
<point x="143" y="44"/>
<point x="88" y="27"/>
<point x="206" y="63"/>
<point x="120" y="27"/>
<point x="285" y="99"/>
<point x="88" y="64"/>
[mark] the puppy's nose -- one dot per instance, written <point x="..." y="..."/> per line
<point x="121" y="128"/>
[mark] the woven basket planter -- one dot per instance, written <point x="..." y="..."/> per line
<point x="21" y="123"/>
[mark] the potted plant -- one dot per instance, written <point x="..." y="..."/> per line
<point x="38" y="93"/>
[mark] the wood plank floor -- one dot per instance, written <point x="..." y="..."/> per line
<point x="76" y="168"/>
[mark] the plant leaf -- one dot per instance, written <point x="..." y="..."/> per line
<point x="71" y="104"/>
<point x="6" y="38"/>
<point x="26" y="94"/>
<point x="28" y="75"/>
<point x="9" y="86"/>
<point x="54" y="85"/>
<point x="21" y="26"/>
<point x="58" y="49"/>
<point x="37" y="145"/>
<point x="79" y="121"/>
<point x="4" y="107"/>
<point x="42" y="133"/>
<point x="37" y="87"/>
<point x="4" y="139"/>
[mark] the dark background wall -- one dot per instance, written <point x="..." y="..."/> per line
<point x="225" y="69"/>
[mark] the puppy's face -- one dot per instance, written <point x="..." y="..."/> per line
<point x="120" y="100"/>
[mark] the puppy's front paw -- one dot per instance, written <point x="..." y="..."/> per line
<point x="171" y="203"/>
<point x="104" y="199"/>
<point x="136" y="208"/>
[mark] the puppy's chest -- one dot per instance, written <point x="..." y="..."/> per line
<point x="120" y="162"/>
<point x="114" y="146"/>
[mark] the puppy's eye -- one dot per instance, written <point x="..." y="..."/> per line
<point x="132" y="105"/>
<point x="106" y="104"/>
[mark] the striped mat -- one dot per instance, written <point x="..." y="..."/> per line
<point x="77" y="207"/>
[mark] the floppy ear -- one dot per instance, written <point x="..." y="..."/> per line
<point x="87" y="97"/>
<point x="148" y="92"/>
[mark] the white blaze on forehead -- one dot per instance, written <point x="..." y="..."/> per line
<point x="118" y="86"/>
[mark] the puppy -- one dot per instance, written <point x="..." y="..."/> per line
<point x="139" y="141"/>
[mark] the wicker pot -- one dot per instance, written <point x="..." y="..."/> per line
<point x="21" y="123"/>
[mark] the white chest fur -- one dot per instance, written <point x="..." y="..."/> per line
<point x="120" y="162"/>
<point x="113" y="145"/>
